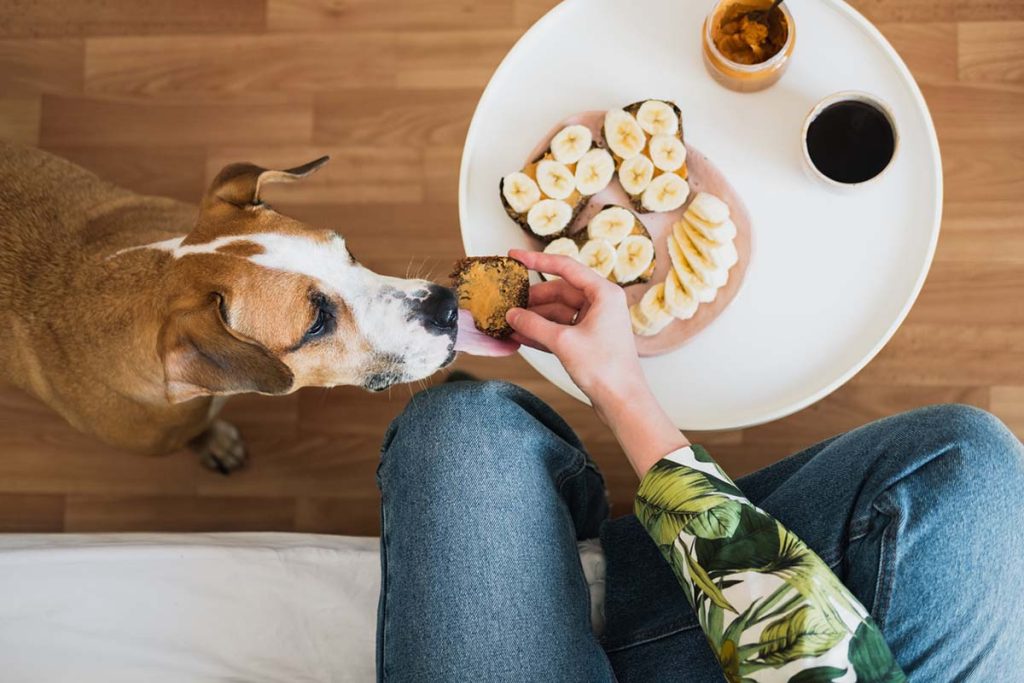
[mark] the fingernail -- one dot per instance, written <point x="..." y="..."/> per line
<point x="512" y="314"/>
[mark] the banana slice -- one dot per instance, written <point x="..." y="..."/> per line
<point x="650" y="315"/>
<point x="594" y="171"/>
<point x="678" y="301"/>
<point x="571" y="143"/>
<point x="667" y="192"/>
<point x="563" y="246"/>
<point x="722" y="232"/>
<point x="657" y="118"/>
<point x="722" y="254"/>
<point x="598" y="255"/>
<point x="634" y="260"/>
<point x="638" y="321"/>
<point x="691" y="282"/>
<point x="636" y="174"/>
<point x="623" y="134"/>
<point x="612" y="224"/>
<point x="555" y="179"/>
<point x="667" y="152"/>
<point x="519" y="191"/>
<point x="709" y="208"/>
<point x="713" y="275"/>
<point x="548" y="217"/>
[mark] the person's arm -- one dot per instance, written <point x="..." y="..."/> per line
<point x="769" y="606"/>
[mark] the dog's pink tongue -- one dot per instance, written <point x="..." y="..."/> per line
<point x="473" y="341"/>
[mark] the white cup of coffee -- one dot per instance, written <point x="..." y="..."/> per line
<point x="849" y="140"/>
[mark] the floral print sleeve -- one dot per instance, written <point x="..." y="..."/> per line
<point x="770" y="607"/>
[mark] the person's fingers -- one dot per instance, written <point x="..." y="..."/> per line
<point x="523" y="341"/>
<point x="574" y="272"/>
<point x="557" y="312"/>
<point x="556" y="290"/>
<point x="533" y="326"/>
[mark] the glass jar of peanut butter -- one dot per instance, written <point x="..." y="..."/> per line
<point x="746" y="55"/>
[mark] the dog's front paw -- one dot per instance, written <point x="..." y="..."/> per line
<point x="220" y="447"/>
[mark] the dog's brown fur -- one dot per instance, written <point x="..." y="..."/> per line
<point x="133" y="346"/>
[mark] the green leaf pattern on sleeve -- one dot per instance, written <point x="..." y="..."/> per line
<point x="771" y="609"/>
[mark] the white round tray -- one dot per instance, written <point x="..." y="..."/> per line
<point x="833" y="275"/>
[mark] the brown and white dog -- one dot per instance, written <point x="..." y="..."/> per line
<point x="132" y="315"/>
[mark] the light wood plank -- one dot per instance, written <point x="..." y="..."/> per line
<point x="355" y="516"/>
<point x="104" y="513"/>
<point x="951" y="355"/>
<point x="992" y="51"/>
<point x="914" y="11"/>
<point x="985" y="232"/>
<point x="118" y="17"/>
<point x="965" y="293"/>
<point x="969" y="112"/>
<point x="394" y="116"/>
<point x="335" y="15"/>
<point x="439" y="59"/>
<point x="988" y="171"/>
<point x="441" y="173"/>
<point x="210" y="68"/>
<point x="67" y="121"/>
<point x="929" y="49"/>
<point x="33" y="67"/>
<point x="854" y="405"/>
<point x="1007" y="403"/>
<point x="19" y="120"/>
<point x="31" y="514"/>
<point x="527" y="12"/>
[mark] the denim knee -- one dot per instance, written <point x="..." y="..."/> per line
<point x="461" y="425"/>
<point x="452" y="408"/>
<point x="975" y="453"/>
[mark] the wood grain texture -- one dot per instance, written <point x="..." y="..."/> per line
<point x="19" y="119"/>
<point x="32" y="67"/>
<point x="158" y="96"/>
<point x="993" y="52"/>
<point x="337" y="15"/>
<point x="37" y="18"/>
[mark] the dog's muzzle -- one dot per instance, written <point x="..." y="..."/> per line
<point x="438" y="310"/>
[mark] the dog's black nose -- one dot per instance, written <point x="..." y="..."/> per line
<point x="439" y="309"/>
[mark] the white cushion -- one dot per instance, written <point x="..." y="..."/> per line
<point x="186" y="608"/>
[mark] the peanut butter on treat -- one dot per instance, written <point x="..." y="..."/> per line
<point x="488" y="286"/>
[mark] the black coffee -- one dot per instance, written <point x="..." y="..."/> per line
<point x="851" y="142"/>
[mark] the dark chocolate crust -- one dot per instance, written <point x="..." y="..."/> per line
<point x="515" y="287"/>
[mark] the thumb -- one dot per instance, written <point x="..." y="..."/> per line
<point x="533" y="326"/>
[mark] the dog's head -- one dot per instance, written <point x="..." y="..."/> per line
<point x="263" y="303"/>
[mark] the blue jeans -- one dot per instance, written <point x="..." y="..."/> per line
<point x="486" y="492"/>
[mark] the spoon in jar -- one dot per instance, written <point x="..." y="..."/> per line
<point x="760" y="16"/>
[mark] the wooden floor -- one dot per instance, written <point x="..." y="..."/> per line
<point x="157" y="95"/>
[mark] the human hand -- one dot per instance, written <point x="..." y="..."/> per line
<point x="583" y="319"/>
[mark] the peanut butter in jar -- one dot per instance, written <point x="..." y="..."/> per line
<point x="743" y="54"/>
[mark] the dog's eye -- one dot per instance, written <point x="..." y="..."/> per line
<point x="319" y="325"/>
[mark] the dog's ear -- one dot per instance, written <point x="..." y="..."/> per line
<point x="202" y="356"/>
<point x="239" y="185"/>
